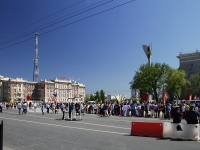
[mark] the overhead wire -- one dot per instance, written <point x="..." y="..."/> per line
<point x="30" y="32"/>
<point x="43" y="18"/>
<point x="58" y="22"/>
<point x="71" y="23"/>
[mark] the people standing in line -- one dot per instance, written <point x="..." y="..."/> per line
<point x="42" y="109"/>
<point x="19" y="106"/>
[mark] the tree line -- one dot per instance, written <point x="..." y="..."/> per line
<point x="157" y="78"/>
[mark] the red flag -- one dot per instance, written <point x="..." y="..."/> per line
<point x="190" y="97"/>
<point x="164" y="98"/>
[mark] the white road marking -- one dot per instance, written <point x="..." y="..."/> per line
<point x="81" y="122"/>
<point x="64" y="126"/>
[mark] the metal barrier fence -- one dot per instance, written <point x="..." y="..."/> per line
<point x="1" y="135"/>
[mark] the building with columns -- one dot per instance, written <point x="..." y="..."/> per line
<point x="19" y="89"/>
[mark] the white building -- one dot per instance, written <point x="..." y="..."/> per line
<point x="19" y="89"/>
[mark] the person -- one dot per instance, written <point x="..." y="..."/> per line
<point x="82" y="108"/>
<point x="47" y="106"/>
<point x="192" y="116"/>
<point x="168" y="110"/>
<point x="19" y="106"/>
<point x="63" y="108"/>
<point x="1" y="107"/>
<point x="35" y="106"/>
<point x="24" y="106"/>
<point x="42" y="109"/>
<point x="71" y="107"/>
<point x="176" y="115"/>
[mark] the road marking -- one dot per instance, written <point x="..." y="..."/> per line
<point x="84" y="122"/>
<point x="64" y="126"/>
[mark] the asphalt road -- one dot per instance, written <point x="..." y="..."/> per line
<point x="48" y="132"/>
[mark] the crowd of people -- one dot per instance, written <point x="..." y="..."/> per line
<point x="125" y="109"/>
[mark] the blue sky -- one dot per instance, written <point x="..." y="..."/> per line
<point x="104" y="51"/>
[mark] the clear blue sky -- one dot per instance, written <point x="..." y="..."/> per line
<point x="104" y="51"/>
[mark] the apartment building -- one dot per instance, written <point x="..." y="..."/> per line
<point x="19" y="89"/>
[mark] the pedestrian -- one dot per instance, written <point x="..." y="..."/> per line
<point x="19" y="106"/>
<point x="63" y="108"/>
<point x="82" y="108"/>
<point x="42" y="109"/>
<point x="1" y="107"/>
<point x="24" y="107"/>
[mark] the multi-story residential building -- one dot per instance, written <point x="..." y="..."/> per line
<point x="19" y="89"/>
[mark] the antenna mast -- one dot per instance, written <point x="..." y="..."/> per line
<point x="36" y="64"/>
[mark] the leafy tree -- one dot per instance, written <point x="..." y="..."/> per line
<point x="97" y="97"/>
<point x="92" y="98"/>
<point x="149" y="78"/>
<point x="102" y="95"/>
<point x="175" y="81"/>
<point x="7" y="100"/>
<point x="87" y="97"/>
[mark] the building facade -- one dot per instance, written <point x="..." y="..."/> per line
<point x="189" y="62"/>
<point x="19" y="90"/>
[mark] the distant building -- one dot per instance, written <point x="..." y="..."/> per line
<point x="189" y="62"/>
<point x="19" y="90"/>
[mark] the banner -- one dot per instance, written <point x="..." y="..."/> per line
<point x="190" y="97"/>
<point x="164" y="98"/>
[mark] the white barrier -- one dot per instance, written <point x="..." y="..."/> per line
<point x="187" y="132"/>
<point x="199" y="134"/>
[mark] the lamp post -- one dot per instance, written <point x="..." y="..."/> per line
<point x="147" y="50"/>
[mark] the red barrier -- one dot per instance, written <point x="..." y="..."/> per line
<point x="149" y="129"/>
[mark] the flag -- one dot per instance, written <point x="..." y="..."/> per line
<point x="164" y="98"/>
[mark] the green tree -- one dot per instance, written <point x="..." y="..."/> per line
<point x="149" y="79"/>
<point x="92" y="98"/>
<point x="175" y="81"/>
<point x="7" y="100"/>
<point x="87" y="97"/>
<point x="97" y="97"/>
<point x="102" y="95"/>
